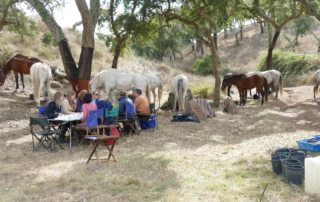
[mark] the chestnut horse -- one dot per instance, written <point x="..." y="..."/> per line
<point x="244" y="82"/>
<point x="20" y="64"/>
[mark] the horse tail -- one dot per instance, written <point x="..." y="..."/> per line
<point x="35" y="77"/>
<point x="160" y="92"/>
<point x="180" y="93"/>
<point x="266" y="88"/>
<point x="281" y="85"/>
<point x="148" y="91"/>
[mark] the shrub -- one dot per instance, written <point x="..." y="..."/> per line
<point x="203" y="66"/>
<point x="202" y="90"/>
<point x="48" y="40"/>
<point x="292" y="66"/>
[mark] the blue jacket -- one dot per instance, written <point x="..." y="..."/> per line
<point x="126" y="106"/>
<point x="53" y="110"/>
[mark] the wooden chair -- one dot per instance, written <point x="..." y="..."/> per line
<point x="107" y="140"/>
<point x="43" y="134"/>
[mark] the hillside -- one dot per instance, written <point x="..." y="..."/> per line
<point x="241" y="58"/>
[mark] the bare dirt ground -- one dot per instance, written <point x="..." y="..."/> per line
<point x="226" y="158"/>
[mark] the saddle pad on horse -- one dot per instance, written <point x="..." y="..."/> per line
<point x="196" y="110"/>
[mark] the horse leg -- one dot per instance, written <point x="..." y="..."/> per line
<point x="154" y="95"/>
<point x="229" y="87"/>
<point x="16" y="75"/>
<point x="262" y="95"/>
<point x="21" y="75"/>
<point x="175" y="102"/>
<point x="315" y="89"/>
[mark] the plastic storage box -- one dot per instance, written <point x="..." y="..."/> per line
<point x="311" y="144"/>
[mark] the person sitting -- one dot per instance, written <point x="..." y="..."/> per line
<point x="141" y="104"/>
<point x="126" y="107"/>
<point x="54" y="107"/>
<point x="86" y="107"/>
<point x="79" y="100"/>
<point x="106" y="105"/>
<point x="95" y="96"/>
<point x="53" y="111"/>
<point x="67" y="105"/>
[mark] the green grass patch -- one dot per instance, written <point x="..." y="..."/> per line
<point x="202" y="90"/>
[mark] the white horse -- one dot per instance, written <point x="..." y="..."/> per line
<point x="274" y="79"/>
<point x="316" y="80"/>
<point x="180" y="87"/>
<point x="155" y="81"/>
<point x="113" y="79"/>
<point x="40" y="74"/>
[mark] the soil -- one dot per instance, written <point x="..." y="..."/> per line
<point x="254" y="132"/>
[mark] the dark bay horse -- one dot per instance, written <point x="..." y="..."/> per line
<point x="20" y="64"/>
<point x="245" y="82"/>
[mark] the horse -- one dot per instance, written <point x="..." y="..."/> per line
<point x="155" y="81"/>
<point x="274" y="79"/>
<point x="244" y="82"/>
<point x="180" y="87"/>
<point x="20" y="64"/>
<point x="113" y="79"/>
<point x="316" y="80"/>
<point x="40" y="74"/>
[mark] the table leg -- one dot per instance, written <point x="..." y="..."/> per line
<point x="71" y="133"/>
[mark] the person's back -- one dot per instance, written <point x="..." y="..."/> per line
<point x="126" y="107"/>
<point x="142" y="104"/>
<point x="87" y="106"/>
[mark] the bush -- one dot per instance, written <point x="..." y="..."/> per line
<point x="203" y="66"/>
<point x="292" y="66"/>
<point x="202" y="90"/>
<point x="48" y="40"/>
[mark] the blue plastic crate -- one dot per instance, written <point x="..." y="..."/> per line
<point x="311" y="144"/>
<point x="42" y="110"/>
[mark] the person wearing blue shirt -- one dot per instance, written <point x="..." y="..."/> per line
<point x="126" y="106"/>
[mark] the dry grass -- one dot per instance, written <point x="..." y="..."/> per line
<point x="222" y="159"/>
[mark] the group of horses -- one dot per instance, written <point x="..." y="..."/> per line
<point x="262" y="81"/>
<point x="112" y="80"/>
<point x="40" y="74"/>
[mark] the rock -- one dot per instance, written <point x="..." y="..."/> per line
<point x="54" y="84"/>
<point x="229" y="106"/>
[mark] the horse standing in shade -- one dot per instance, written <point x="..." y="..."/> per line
<point x="20" y="64"/>
<point x="155" y="81"/>
<point x="316" y="80"/>
<point x="245" y="82"/>
<point x="40" y="75"/>
<point x="274" y="79"/>
<point x="180" y="87"/>
<point x="113" y="79"/>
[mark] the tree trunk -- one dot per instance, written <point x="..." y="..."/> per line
<point x="225" y="33"/>
<point x="270" y="50"/>
<point x="78" y="76"/>
<point x="261" y="27"/>
<point x="117" y="51"/>
<point x="215" y="39"/>
<point x="241" y="31"/>
<point x="269" y="27"/>
<point x="215" y="72"/>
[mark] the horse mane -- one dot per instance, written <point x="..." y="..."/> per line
<point x="233" y="76"/>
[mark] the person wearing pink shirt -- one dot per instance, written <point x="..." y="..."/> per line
<point x="86" y="107"/>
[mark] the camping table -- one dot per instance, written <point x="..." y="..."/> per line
<point x="71" y="119"/>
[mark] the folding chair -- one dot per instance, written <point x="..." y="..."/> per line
<point x="94" y="123"/>
<point x="112" y="115"/>
<point x="131" y="121"/>
<point x="108" y="141"/>
<point x="43" y="133"/>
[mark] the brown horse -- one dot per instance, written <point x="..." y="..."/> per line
<point x="20" y="64"/>
<point x="244" y="82"/>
